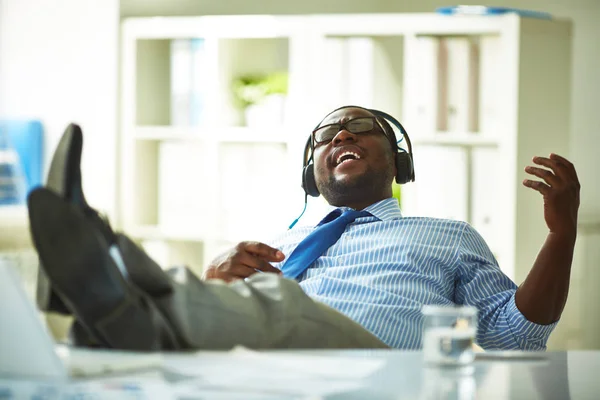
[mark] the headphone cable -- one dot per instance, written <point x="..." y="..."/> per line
<point x="301" y="214"/>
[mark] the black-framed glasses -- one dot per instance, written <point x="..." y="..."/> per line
<point x="325" y="134"/>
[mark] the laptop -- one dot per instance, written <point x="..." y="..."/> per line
<point x="28" y="351"/>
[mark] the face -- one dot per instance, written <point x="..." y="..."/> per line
<point x="354" y="168"/>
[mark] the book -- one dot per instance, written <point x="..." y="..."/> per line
<point x="429" y="90"/>
<point x="485" y="10"/>
<point x="188" y="82"/>
<point x="492" y="88"/>
<point x="460" y="84"/>
<point x="198" y="82"/>
<point x="181" y="82"/>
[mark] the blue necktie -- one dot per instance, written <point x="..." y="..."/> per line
<point x="314" y="245"/>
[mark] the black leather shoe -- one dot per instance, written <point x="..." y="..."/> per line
<point x="64" y="178"/>
<point x="64" y="175"/>
<point x="75" y="256"/>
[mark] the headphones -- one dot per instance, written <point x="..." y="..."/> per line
<point x="403" y="159"/>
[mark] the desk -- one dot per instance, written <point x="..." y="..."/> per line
<point x="561" y="375"/>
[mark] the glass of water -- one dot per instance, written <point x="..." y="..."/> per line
<point x="448" y="334"/>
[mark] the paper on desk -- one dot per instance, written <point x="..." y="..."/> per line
<point x="272" y="374"/>
<point x="114" y="389"/>
<point x="322" y="366"/>
<point x="200" y="392"/>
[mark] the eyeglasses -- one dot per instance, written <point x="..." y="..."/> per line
<point x="325" y="134"/>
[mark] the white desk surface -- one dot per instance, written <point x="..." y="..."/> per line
<point x="559" y="375"/>
<point x="554" y="375"/>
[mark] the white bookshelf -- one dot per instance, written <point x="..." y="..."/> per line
<point x="188" y="191"/>
<point x="473" y="129"/>
<point x="465" y="139"/>
<point x="226" y="135"/>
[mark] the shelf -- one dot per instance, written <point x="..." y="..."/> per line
<point x="221" y="135"/>
<point x="267" y="26"/>
<point x="228" y="26"/>
<point x="155" y="232"/>
<point x="13" y="216"/>
<point x="456" y="139"/>
<point x="410" y="23"/>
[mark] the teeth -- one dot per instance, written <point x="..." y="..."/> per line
<point x="356" y="156"/>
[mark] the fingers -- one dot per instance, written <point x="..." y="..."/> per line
<point x="242" y="272"/>
<point x="251" y="261"/>
<point x="562" y="160"/>
<point x="554" y="165"/>
<point x="243" y="261"/>
<point x="560" y="174"/>
<point x="567" y="164"/>
<point x="544" y="174"/>
<point x="559" y="165"/>
<point x="536" y="185"/>
<point x="261" y="250"/>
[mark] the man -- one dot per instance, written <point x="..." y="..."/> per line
<point x="380" y="274"/>
<point x="392" y="265"/>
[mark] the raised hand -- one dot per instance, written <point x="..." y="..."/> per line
<point x="560" y="189"/>
<point x="245" y="259"/>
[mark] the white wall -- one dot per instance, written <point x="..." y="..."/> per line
<point x="58" y="63"/>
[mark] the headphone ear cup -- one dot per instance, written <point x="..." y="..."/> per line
<point x="404" y="168"/>
<point x="308" y="181"/>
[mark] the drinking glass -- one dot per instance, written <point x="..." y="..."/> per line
<point x="448" y="334"/>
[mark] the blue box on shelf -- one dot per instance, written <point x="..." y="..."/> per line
<point x="21" y="159"/>
<point x="490" y="10"/>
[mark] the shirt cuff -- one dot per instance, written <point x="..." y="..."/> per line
<point x="522" y="327"/>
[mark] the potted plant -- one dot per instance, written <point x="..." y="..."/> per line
<point x="261" y="97"/>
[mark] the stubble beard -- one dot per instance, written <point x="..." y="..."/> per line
<point x="371" y="184"/>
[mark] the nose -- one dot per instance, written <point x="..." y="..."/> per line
<point x="343" y="136"/>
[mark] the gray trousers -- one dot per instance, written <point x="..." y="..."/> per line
<point x="175" y="310"/>
<point x="263" y="311"/>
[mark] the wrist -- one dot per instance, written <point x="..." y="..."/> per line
<point x="567" y="237"/>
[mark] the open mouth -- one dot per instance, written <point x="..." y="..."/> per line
<point x="345" y="157"/>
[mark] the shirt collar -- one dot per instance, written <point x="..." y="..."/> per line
<point x="384" y="210"/>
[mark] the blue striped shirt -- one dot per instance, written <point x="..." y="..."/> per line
<point x="384" y="268"/>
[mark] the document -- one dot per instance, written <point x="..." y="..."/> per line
<point x="270" y="374"/>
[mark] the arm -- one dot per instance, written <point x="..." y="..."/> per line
<point x="244" y="260"/>
<point x="481" y="283"/>
<point x="542" y="296"/>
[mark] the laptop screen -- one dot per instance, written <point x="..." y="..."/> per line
<point x="25" y="345"/>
